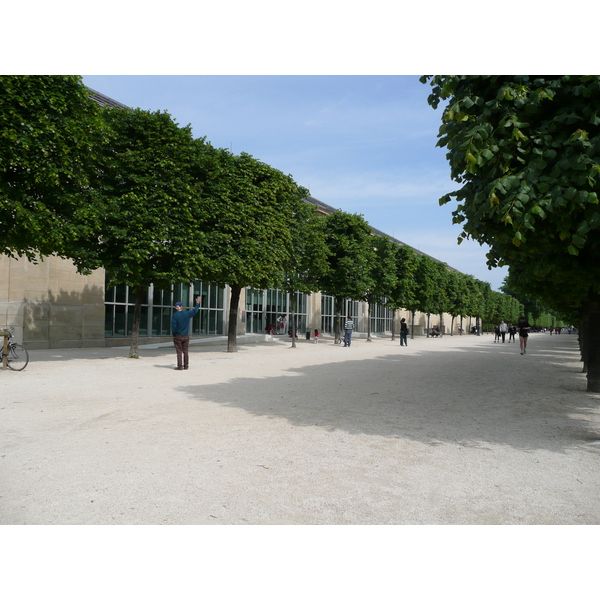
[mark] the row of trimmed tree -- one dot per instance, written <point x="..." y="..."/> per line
<point x="526" y="151"/>
<point x="134" y="193"/>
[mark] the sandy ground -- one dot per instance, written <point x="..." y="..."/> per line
<point x="457" y="430"/>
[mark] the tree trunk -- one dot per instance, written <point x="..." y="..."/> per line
<point x="135" y="328"/>
<point x="452" y="326"/>
<point x="427" y="332"/>
<point x="336" y="324"/>
<point x="369" y="321"/>
<point x="234" y="303"/>
<point x="394" y="326"/>
<point x="583" y="338"/>
<point x="412" y="328"/>
<point x="593" y="344"/>
<point x="293" y="317"/>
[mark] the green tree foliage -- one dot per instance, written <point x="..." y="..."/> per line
<point x="402" y="293"/>
<point x="351" y="256"/>
<point x="439" y="303"/>
<point x="431" y="290"/>
<point x="422" y="297"/>
<point x="532" y="305"/>
<point x="308" y="259"/>
<point x="249" y="213"/>
<point x="49" y="130"/>
<point x="526" y="150"/>
<point x="459" y="297"/>
<point x="472" y="299"/>
<point x="383" y="273"/>
<point x="489" y="304"/>
<point x="145" y="206"/>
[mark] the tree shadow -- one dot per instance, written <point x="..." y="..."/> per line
<point x="64" y="319"/>
<point x="112" y="352"/>
<point x="463" y="397"/>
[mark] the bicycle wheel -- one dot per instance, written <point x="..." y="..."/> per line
<point x="17" y="358"/>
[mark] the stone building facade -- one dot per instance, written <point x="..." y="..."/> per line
<point x="51" y="306"/>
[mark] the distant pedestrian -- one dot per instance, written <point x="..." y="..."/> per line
<point x="503" y="331"/>
<point x="348" y="327"/>
<point x="180" y="326"/>
<point x="316" y="336"/>
<point x="497" y="334"/>
<point x="283" y="322"/>
<point x="511" y="333"/>
<point x="523" y="326"/>
<point x="403" y="332"/>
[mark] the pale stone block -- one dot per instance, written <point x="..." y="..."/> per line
<point x="66" y="315"/>
<point x="65" y="333"/>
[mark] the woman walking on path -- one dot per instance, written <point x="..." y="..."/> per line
<point x="523" y="327"/>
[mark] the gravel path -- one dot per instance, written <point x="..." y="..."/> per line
<point x="457" y="430"/>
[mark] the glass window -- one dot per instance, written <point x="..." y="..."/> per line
<point x="109" y="317"/>
<point x="381" y="317"/>
<point x="121" y="293"/>
<point x="157" y="309"/>
<point x="119" y="322"/>
<point x="327" y="313"/>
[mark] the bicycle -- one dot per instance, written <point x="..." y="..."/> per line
<point x="17" y="357"/>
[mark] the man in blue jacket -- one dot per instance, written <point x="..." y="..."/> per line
<point x="180" y="326"/>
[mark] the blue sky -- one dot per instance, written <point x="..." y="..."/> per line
<point x="363" y="144"/>
<point x="323" y="91"/>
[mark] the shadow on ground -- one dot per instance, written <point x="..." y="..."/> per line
<point x="66" y="354"/>
<point x="470" y="397"/>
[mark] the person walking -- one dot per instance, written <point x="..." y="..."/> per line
<point x="523" y="327"/>
<point x="511" y="333"/>
<point x="180" y="326"/>
<point x="282" y="320"/>
<point x="348" y="327"/>
<point x="316" y="336"/>
<point x="497" y="334"/>
<point x="403" y="332"/>
<point x="503" y="331"/>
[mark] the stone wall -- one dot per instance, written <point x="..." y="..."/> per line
<point x="50" y="305"/>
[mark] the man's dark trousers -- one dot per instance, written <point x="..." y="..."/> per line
<point x="182" y="343"/>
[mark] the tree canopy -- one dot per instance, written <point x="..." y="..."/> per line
<point x="351" y="255"/>
<point x="132" y="192"/>
<point x="307" y="261"/>
<point x="145" y="205"/>
<point x="249" y="213"/>
<point x="526" y="150"/>
<point x="49" y="133"/>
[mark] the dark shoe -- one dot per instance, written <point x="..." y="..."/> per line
<point x="185" y="368"/>
<point x="178" y="369"/>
